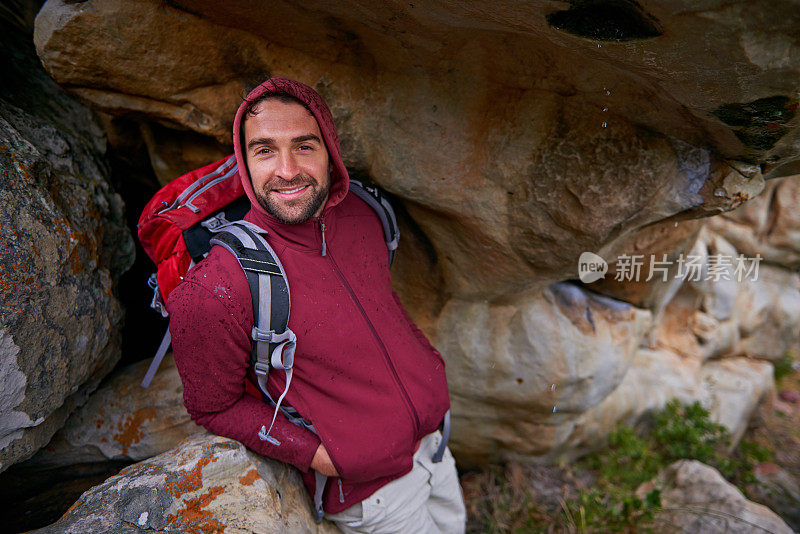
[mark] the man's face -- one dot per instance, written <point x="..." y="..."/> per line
<point x="287" y="160"/>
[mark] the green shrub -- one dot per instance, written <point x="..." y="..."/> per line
<point x="783" y="367"/>
<point x="631" y="458"/>
<point x="687" y="432"/>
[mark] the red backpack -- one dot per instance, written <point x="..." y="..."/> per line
<point x="177" y="207"/>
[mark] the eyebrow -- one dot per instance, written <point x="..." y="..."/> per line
<point x="270" y="141"/>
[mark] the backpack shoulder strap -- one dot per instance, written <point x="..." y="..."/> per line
<point x="273" y="342"/>
<point x="378" y="200"/>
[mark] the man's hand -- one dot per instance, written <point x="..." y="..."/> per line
<point x="322" y="463"/>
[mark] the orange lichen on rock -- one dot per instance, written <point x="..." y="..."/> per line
<point x="190" y="480"/>
<point x="99" y="421"/>
<point x="130" y="431"/>
<point x="195" y="518"/>
<point x="249" y="478"/>
<point x="74" y="505"/>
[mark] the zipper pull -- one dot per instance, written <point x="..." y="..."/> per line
<point x="324" y="246"/>
<point x="341" y="493"/>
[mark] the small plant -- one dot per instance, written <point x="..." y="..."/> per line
<point x="629" y="459"/>
<point x="687" y="432"/>
<point x="783" y="367"/>
<point x="602" y="511"/>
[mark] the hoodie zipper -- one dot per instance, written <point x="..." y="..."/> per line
<point x="322" y="228"/>
<point x="385" y="352"/>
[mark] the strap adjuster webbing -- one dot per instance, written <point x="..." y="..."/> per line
<point x="269" y="336"/>
<point x="319" y="482"/>
<point x="439" y="454"/>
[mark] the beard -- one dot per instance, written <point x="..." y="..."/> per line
<point x="295" y="211"/>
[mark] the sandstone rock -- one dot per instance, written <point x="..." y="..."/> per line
<point x="521" y="372"/>
<point x="778" y="489"/>
<point x="768" y="313"/>
<point x="769" y="225"/>
<point x="123" y="421"/>
<point x="207" y="484"/>
<point x="696" y="498"/>
<point x="693" y="333"/>
<point x="718" y="284"/>
<point x="508" y="187"/>
<point x="663" y="242"/>
<point x="654" y="378"/>
<point x="737" y="84"/>
<point x="173" y="153"/>
<point x="730" y="389"/>
<point x="753" y="311"/>
<point x="62" y="247"/>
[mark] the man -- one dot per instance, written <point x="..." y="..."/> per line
<point x="364" y="375"/>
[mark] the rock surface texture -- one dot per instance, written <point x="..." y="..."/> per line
<point x="122" y="421"/>
<point x="696" y="498"/>
<point x="62" y="246"/>
<point x="437" y="103"/>
<point x="517" y="136"/>
<point x="206" y="484"/>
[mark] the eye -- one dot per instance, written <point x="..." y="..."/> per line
<point x="305" y="147"/>
<point x="263" y="150"/>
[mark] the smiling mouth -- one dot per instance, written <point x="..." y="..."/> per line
<point x="294" y="191"/>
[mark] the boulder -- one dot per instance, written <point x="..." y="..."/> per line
<point x="206" y="484"/>
<point x="656" y="249"/>
<point x="642" y="62"/>
<point x="768" y="313"/>
<point x="768" y="225"/>
<point x="778" y="489"/>
<point x="64" y="244"/>
<point x="696" y="498"/>
<point x="175" y="152"/>
<point x="405" y="81"/>
<point x="730" y="389"/>
<point x="123" y="421"/>
<point x="654" y="378"/>
<point x="723" y="310"/>
<point x="521" y="372"/>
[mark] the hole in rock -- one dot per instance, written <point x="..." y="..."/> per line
<point x="606" y="20"/>
<point x="758" y="124"/>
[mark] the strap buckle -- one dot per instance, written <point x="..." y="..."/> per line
<point x="156" y="303"/>
<point x="213" y="223"/>
<point x="269" y="336"/>
<point x="262" y="336"/>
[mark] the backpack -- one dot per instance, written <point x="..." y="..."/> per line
<point x="203" y="208"/>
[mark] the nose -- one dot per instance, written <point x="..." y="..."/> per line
<point x="287" y="167"/>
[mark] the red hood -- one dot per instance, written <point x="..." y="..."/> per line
<point x="339" y="178"/>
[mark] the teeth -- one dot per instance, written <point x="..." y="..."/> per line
<point x="290" y="191"/>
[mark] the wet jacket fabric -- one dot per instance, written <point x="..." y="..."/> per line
<point x="364" y="375"/>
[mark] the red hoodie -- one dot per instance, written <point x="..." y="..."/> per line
<point x="364" y="375"/>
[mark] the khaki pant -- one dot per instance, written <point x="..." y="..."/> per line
<point x="427" y="500"/>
